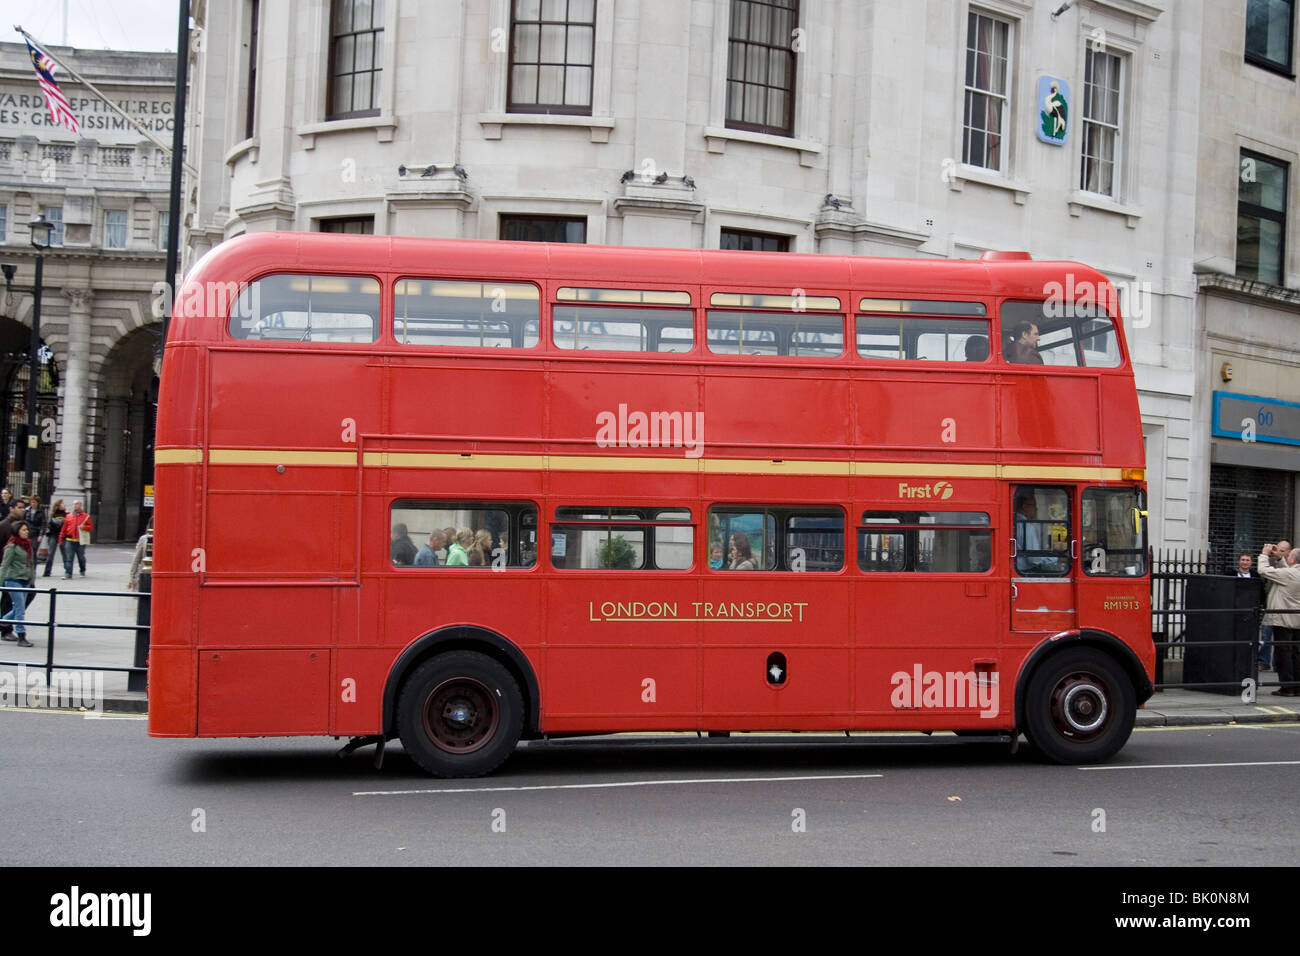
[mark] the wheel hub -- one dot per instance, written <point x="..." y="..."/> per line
<point x="1080" y="705"/>
<point x="461" y="715"/>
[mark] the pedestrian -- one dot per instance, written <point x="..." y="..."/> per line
<point x="14" y="514"/>
<point x="38" y="518"/>
<point x="401" y="547"/>
<point x="5" y="497"/>
<point x="427" y="556"/>
<point x="58" y="514"/>
<point x="71" y="538"/>
<point x="1284" y="611"/>
<point x="17" y="568"/>
<point x="458" y="550"/>
<point x="1246" y="569"/>
<point x="137" y="558"/>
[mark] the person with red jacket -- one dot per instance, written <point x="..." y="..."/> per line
<point x="71" y="538"/>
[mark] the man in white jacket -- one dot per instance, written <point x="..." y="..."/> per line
<point x="1284" y="614"/>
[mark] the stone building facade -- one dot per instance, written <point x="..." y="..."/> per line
<point x="1247" y="408"/>
<point x="863" y="127"/>
<point x="107" y="194"/>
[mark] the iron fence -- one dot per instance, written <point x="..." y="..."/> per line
<point x="136" y="672"/>
<point x="1172" y="619"/>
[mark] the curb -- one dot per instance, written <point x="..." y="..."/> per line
<point x="137" y="703"/>
<point x="1202" y="718"/>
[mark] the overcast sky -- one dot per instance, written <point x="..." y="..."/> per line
<point x="94" y="24"/>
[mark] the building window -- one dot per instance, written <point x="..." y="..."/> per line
<point x="54" y="214"/>
<point x="57" y="152"/>
<point x="760" y="66"/>
<point x="6" y="148"/>
<point x="115" y="229"/>
<point x="164" y="219"/>
<point x="552" y="49"/>
<point x="356" y="57"/>
<point x="353" y="225"/>
<point x="988" y="86"/>
<point x="1269" y="25"/>
<point x="1261" y="218"/>
<point x="115" y="155"/>
<point x="1102" y="77"/>
<point x="747" y="241"/>
<point x="253" y="16"/>
<point x="543" y="229"/>
<point x="4" y="222"/>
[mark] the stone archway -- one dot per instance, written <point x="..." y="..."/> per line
<point x="128" y="402"/>
<point x="15" y="345"/>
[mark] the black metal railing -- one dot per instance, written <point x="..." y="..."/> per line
<point x="136" y="673"/>
<point x="1172" y="582"/>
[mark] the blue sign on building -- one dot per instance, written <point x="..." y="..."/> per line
<point x="1053" y="110"/>
<point x="1252" y="418"/>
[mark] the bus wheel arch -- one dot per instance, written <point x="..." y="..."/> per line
<point x="463" y="637"/>
<point x="1077" y="696"/>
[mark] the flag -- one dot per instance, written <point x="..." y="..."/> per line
<point x="60" y="111"/>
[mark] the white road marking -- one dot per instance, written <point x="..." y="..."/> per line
<point x="1180" y="766"/>
<point x="624" y="783"/>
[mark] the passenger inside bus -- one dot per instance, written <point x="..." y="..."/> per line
<point x="977" y="348"/>
<point x="742" y="556"/>
<point x="1023" y="347"/>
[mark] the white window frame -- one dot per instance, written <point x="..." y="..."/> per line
<point x="816" y="20"/>
<point x="315" y="75"/>
<point x="59" y="229"/>
<point x="494" y="117"/>
<point x="1013" y="24"/>
<point x="1117" y="159"/>
<point x="126" y="228"/>
<point x="1126" y="201"/>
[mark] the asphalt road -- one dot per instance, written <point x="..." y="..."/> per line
<point x="84" y="791"/>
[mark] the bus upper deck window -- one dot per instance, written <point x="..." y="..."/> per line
<point x="1059" y="333"/>
<point x="307" y="308"/>
<point x="466" y="314"/>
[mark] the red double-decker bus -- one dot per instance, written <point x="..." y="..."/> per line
<point x="463" y="492"/>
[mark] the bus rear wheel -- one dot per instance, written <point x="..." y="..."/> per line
<point x="1079" y="707"/>
<point x="460" y="714"/>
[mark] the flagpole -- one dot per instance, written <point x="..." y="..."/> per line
<point x="111" y="105"/>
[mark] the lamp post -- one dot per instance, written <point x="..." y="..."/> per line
<point x="40" y="229"/>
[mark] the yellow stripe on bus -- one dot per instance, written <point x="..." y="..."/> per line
<point x="261" y="456"/>
<point x="178" y="456"/>
<point x="682" y="465"/>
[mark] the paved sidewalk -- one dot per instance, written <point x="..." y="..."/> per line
<point x="107" y="567"/>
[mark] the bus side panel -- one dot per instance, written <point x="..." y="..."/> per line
<point x="620" y="649"/>
<point x="359" y="678"/>
<point x="262" y="398"/>
<point x="1051" y="414"/>
<point x="905" y="412"/>
<point x="1121" y="422"/>
<point x="750" y="619"/>
<point x="263" y="692"/>
<point x="171" y="691"/>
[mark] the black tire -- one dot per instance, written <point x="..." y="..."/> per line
<point x="1080" y="707"/>
<point x="460" y="714"/>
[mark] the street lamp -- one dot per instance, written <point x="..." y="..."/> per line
<point x="40" y="233"/>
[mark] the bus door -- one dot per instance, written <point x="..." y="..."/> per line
<point x="1042" y="548"/>
<point x="1114" y="591"/>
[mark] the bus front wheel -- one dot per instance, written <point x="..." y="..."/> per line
<point x="460" y="714"/>
<point x="1080" y="707"/>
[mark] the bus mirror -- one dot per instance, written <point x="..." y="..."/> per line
<point x="1138" y="515"/>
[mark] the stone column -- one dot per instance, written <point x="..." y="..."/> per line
<point x="70" y="482"/>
